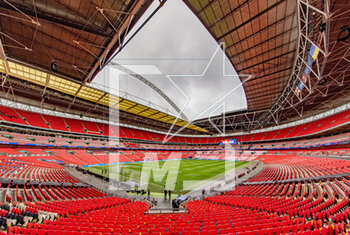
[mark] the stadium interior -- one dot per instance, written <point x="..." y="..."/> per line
<point x="60" y="143"/>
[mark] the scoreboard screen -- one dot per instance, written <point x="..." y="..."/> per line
<point x="231" y="141"/>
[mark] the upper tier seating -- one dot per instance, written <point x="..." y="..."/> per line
<point x="33" y="119"/>
<point x="74" y="125"/>
<point x="85" y="127"/>
<point x="56" y="123"/>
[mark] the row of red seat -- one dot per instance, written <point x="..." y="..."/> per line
<point x="203" y="217"/>
<point x="268" y="208"/>
<point x="50" y="193"/>
<point x="96" y="128"/>
<point x="30" y="168"/>
<point x="291" y="166"/>
<point x="24" y="139"/>
<point x="47" y="167"/>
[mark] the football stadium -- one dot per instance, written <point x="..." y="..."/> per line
<point x="175" y="117"/>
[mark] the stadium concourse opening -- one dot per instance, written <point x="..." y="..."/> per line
<point x="270" y="155"/>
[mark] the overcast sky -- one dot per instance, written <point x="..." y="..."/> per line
<point x="174" y="51"/>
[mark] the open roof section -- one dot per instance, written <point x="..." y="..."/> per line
<point x="260" y="38"/>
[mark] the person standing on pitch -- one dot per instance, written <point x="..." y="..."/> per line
<point x="165" y="193"/>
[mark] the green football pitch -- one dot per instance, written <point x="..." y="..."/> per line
<point x="185" y="170"/>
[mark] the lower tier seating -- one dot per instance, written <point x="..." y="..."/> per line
<point x="119" y="216"/>
<point x="288" y="196"/>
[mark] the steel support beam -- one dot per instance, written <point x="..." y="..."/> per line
<point x="55" y="20"/>
<point x="308" y="34"/>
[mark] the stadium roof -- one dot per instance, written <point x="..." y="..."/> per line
<point x="68" y="38"/>
<point x="271" y="40"/>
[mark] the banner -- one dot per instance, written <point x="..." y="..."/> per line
<point x="313" y="53"/>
